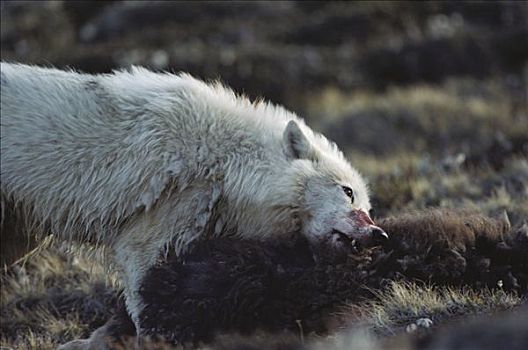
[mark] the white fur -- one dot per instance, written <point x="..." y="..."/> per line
<point x="140" y="161"/>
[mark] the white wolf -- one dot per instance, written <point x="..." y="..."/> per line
<point x="141" y="161"/>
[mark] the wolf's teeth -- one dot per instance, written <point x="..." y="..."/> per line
<point x="353" y="242"/>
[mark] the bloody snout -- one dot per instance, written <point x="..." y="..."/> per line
<point x="374" y="234"/>
<point x="361" y="218"/>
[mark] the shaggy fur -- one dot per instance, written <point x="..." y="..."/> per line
<point x="226" y="285"/>
<point x="444" y="246"/>
<point x="140" y="162"/>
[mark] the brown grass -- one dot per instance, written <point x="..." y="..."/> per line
<point x="403" y="303"/>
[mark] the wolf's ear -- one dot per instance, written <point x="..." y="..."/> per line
<point x="296" y="144"/>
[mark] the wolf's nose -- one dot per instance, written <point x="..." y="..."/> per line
<point x="379" y="236"/>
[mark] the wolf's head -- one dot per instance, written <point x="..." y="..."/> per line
<point x="334" y="197"/>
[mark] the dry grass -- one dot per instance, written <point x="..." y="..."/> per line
<point x="54" y="296"/>
<point x="429" y="183"/>
<point x="404" y="303"/>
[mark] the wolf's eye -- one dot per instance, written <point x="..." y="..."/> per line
<point x="348" y="191"/>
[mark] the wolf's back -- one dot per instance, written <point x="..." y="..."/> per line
<point x="70" y="155"/>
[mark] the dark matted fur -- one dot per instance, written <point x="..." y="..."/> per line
<point x="227" y="285"/>
<point x="456" y="247"/>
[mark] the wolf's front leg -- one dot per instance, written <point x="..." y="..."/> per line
<point x="174" y="223"/>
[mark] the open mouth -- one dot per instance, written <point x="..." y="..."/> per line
<point x="347" y="240"/>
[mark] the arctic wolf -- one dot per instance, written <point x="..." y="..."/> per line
<point x="143" y="162"/>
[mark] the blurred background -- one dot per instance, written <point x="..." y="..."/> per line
<point x="428" y="99"/>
